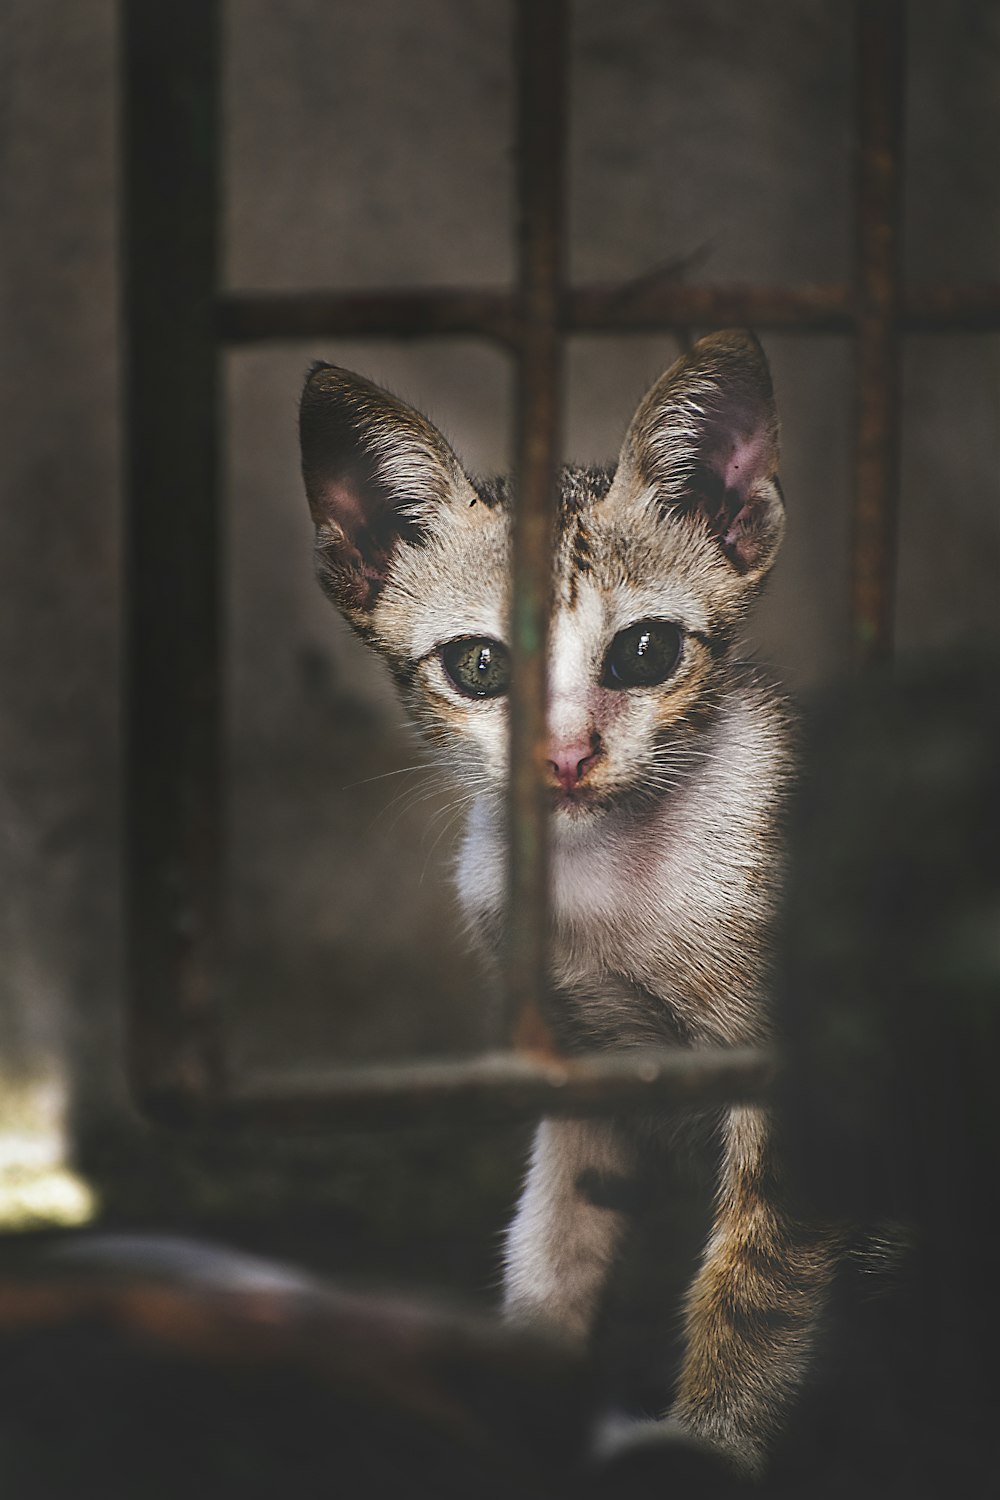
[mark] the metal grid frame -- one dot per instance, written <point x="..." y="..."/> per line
<point x="177" y="322"/>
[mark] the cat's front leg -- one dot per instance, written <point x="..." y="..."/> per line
<point x="568" y="1225"/>
<point x="754" y="1307"/>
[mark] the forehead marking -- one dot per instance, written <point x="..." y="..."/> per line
<point x="581" y="558"/>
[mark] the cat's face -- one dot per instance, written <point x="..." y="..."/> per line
<point x="653" y="567"/>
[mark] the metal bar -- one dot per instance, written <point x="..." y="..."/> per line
<point x="256" y="317"/>
<point x="437" y="312"/>
<point x="942" y="308"/>
<point x="502" y="1086"/>
<point x="673" y="304"/>
<point x="541" y="44"/>
<point x="881" y="85"/>
<point x="172" y="669"/>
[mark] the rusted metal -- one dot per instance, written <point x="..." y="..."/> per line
<point x="442" y="312"/>
<point x="541" y="59"/>
<point x="881" y="80"/>
<point x="670" y="305"/>
<point x="942" y="308"/>
<point x="173" y="585"/>
<point x="496" y="1087"/>
<point x="495" y="314"/>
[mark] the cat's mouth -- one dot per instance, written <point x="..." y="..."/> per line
<point x="577" y="802"/>
<point x="586" y="803"/>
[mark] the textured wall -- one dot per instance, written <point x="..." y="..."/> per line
<point x="59" y="537"/>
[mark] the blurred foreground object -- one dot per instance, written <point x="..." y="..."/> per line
<point x="891" y="1011"/>
<point x="144" y="1365"/>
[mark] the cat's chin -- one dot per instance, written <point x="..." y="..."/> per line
<point x="578" y="813"/>
<point x="577" y="810"/>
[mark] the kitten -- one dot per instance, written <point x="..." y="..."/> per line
<point x="668" y="764"/>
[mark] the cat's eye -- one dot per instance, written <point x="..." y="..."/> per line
<point x="478" y="666"/>
<point x="643" y="655"/>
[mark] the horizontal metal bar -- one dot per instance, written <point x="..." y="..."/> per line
<point x="671" y="304"/>
<point x="942" y="308"/>
<point x="261" y="317"/>
<point x="489" y="1087"/>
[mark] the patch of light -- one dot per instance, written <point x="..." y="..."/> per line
<point x="37" y="1186"/>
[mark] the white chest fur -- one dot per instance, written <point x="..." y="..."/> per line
<point x="673" y="900"/>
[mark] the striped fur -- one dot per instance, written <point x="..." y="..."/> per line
<point x="666" y="857"/>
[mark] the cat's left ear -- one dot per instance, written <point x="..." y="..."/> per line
<point x="378" y="476"/>
<point x="705" y="440"/>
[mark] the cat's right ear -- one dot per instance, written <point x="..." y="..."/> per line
<point x="705" y="443"/>
<point x="376" y="474"/>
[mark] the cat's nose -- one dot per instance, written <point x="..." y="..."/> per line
<point x="570" y="763"/>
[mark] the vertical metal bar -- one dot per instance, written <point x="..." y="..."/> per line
<point x="173" y="783"/>
<point x="541" y="67"/>
<point x="881" y="87"/>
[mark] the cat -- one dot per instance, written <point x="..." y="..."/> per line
<point x="669" y="764"/>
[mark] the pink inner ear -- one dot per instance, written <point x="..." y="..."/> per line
<point x="737" y="527"/>
<point x="343" y="505"/>
<point x="741" y="463"/>
<point x="363" y="538"/>
<point x="745" y="462"/>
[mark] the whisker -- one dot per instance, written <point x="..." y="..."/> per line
<point x="382" y="776"/>
<point x="456" y="812"/>
<point x="408" y="801"/>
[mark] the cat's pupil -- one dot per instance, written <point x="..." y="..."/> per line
<point x="478" y="666"/>
<point x="643" y="655"/>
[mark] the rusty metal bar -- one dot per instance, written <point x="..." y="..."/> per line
<point x="440" y="312"/>
<point x="257" y="317"/>
<point x="943" y="308"/>
<point x="541" y="44"/>
<point x="173" y="585"/>
<point x="502" y="1086"/>
<point x="673" y="304"/>
<point x="881" y="85"/>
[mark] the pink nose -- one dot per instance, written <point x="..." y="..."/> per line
<point x="569" y="764"/>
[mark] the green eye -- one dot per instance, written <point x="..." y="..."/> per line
<point x="479" y="667"/>
<point x="643" y="655"/>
